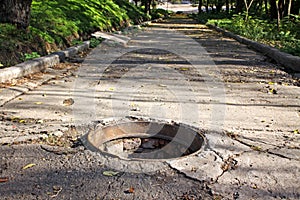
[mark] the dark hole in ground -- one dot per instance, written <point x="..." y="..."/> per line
<point x="146" y="148"/>
<point x="145" y="140"/>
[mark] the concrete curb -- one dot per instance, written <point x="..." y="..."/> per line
<point x="287" y="60"/>
<point x="40" y="64"/>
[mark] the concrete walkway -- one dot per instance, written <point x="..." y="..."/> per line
<point x="248" y="109"/>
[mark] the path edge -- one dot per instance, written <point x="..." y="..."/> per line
<point x="287" y="60"/>
<point x="40" y="64"/>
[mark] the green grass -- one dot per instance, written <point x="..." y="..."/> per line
<point x="58" y="24"/>
<point x="286" y="39"/>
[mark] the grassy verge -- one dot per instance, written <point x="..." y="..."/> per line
<point x="287" y="38"/>
<point x="160" y="13"/>
<point x="59" y="24"/>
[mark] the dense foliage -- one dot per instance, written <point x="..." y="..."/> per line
<point x="60" y="23"/>
<point x="273" y="22"/>
<point x="287" y="38"/>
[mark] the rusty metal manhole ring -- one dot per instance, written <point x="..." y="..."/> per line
<point x="144" y="139"/>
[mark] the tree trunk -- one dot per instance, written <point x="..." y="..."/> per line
<point x="248" y="6"/>
<point x="206" y="6"/>
<point x="295" y="8"/>
<point x="278" y="17"/>
<point x="146" y="4"/>
<point x="281" y="8"/>
<point x="227" y="6"/>
<point x="273" y="9"/>
<point x="288" y="7"/>
<point x="149" y="6"/>
<point x="200" y="6"/>
<point x="266" y="7"/>
<point x="15" y="12"/>
<point x="219" y="5"/>
<point x="239" y="6"/>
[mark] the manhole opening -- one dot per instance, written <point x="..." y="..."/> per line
<point x="146" y="140"/>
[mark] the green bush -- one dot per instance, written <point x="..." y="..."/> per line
<point x="159" y="13"/>
<point x="95" y="42"/>
<point x="61" y="20"/>
<point x="58" y="24"/>
<point x="205" y="17"/>
<point x="287" y="38"/>
<point x="134" y="13"/>
<point x="30" y="56"/>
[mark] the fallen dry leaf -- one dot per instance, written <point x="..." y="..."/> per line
<point x="56" y="191"/>
<point x="131" y="190"/>
<point x="110" y="173"/>
<point x="162" y="85"/>
<point x="272" y="91"/>
<point x="13" y="118"/>
<point x="256" y="148"/>
<point x="29" y="166"/>
<point x="183" y="69"/>
<point x="3" y="179"/>
<point x="38" y="103"/>
<point x="68" y="102"/>
<point x="22" y="121"/>
<point x="254" y="186"/>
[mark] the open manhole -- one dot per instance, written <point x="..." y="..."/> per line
<point x="140" y="139"/>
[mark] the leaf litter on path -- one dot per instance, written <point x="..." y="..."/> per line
<point x="110" y="173"/>
<point x="4" y="179"/>
<point x="29" y="166"/>
<point x="68" y="102"/>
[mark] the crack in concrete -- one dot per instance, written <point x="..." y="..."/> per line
<point x="235" y="137"/>
<point x="185" y="175"/>
<point x="26" y="90"/>
<point x="259" y="150"/>
<point x="228" y="164"/>
<point x="38" y="83"/>
<point x="279" y="155"/>
<point x="208" y="147"/>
